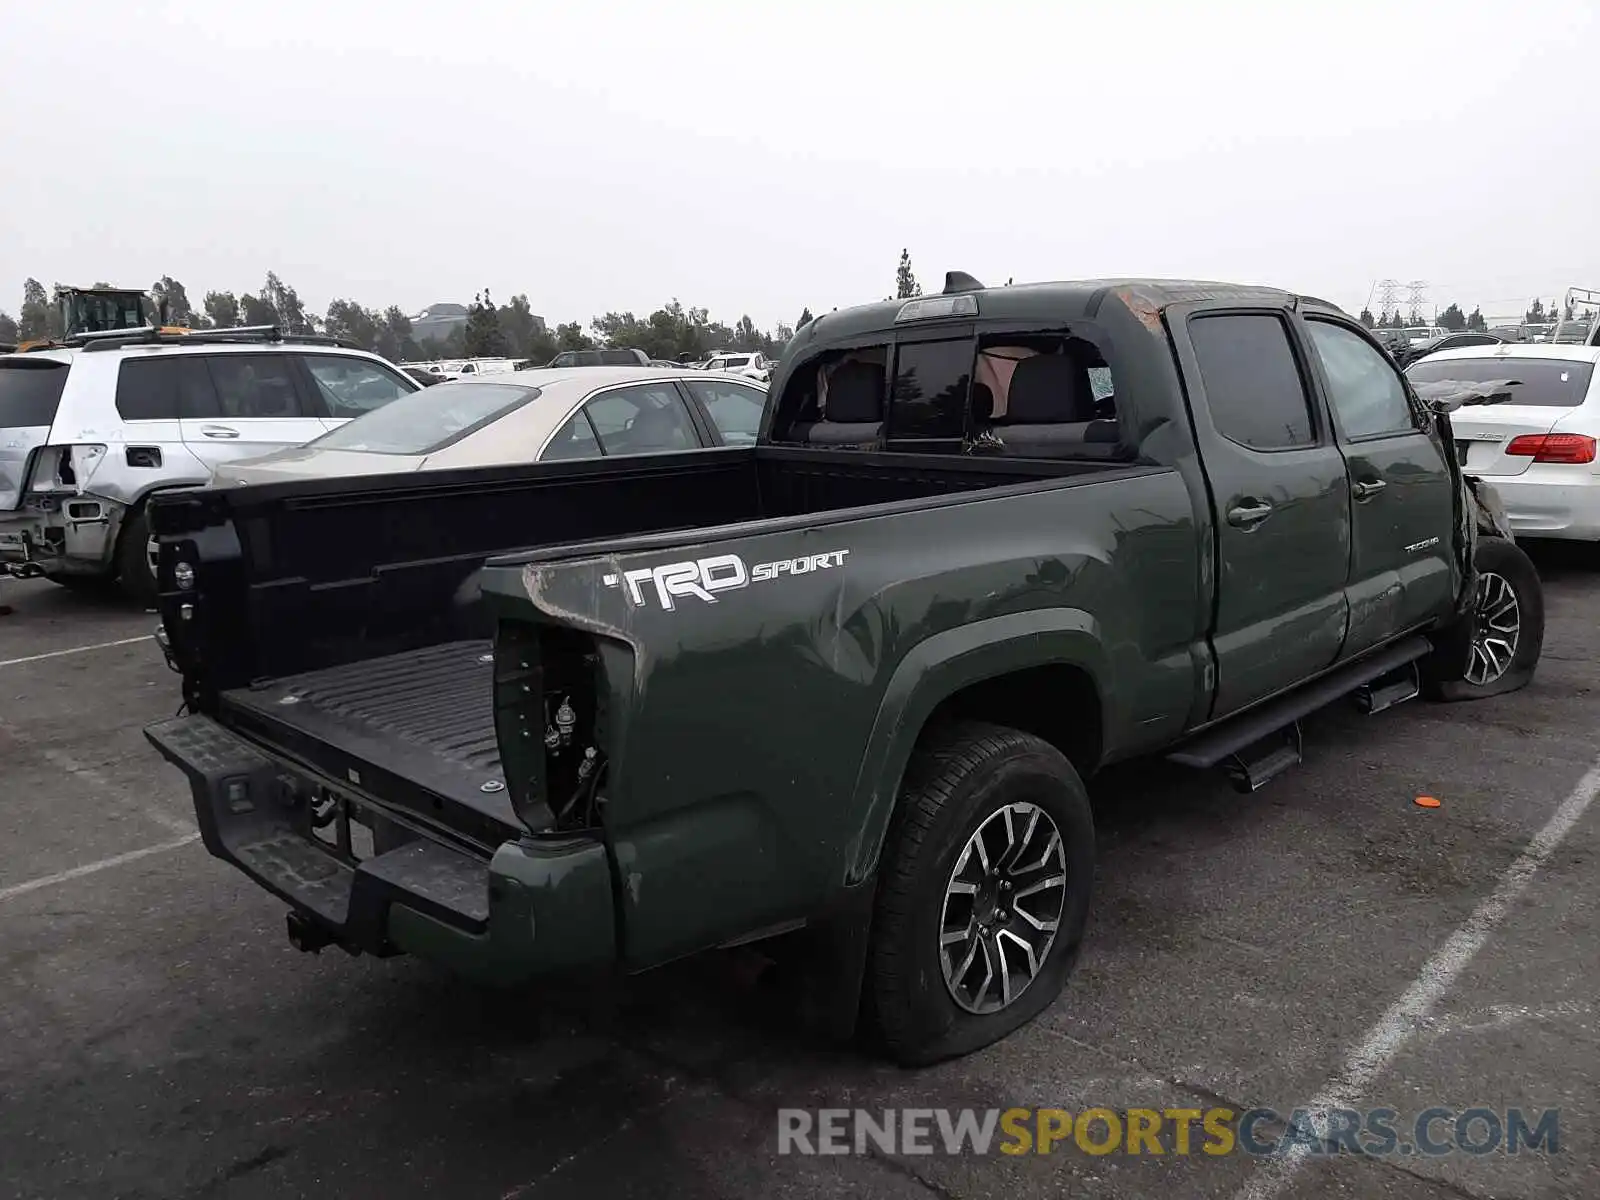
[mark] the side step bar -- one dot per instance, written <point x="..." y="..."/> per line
<point x="1233" y="736"/>
<point x="1398" y="686"/>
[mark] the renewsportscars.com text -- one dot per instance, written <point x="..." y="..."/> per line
<point x="1261" y="1132"/>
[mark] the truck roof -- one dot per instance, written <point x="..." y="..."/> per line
<point x="1026" y="302"/>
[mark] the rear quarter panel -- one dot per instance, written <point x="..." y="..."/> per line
<point x="758" y="738"/>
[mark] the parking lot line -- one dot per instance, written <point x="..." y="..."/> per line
<point x="1384" y="1041"/>
<point x="17" y="662"/>
<point x="116" y="860"/>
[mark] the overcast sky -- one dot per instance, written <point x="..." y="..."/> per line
<point x="761" y="157"/>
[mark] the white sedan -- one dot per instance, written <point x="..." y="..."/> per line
<point x="1535" y="441"/>
<point x="551" y="414"/>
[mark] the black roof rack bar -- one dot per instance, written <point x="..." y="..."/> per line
<point x="234" y="335"/>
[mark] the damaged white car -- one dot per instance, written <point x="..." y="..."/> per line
<point x="90" y="427"/>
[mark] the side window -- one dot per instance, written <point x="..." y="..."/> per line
<point x="254" y="386"/>
<point x="649" y="418"/>
<point x="1365" y="390"/>
<point x="352" y="386"/>
<point x="575" y="439"/>
<point x="1252" y="383"/>
<point x="148" y="389"/>
<point x="164" y="389"/>
<point x="735" y="410"/>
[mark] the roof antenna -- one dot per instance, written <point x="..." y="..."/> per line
<point x="960" y="281"/>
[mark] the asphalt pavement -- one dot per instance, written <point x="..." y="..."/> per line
<point x="1325" y="942"/>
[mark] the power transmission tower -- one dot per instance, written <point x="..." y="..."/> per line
<point x="1388" y="298"/>
<point x="1419" y="300"/>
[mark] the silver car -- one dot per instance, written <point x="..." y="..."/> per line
<point x="550" y="414"/>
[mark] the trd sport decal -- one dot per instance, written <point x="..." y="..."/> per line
<point x="703" y="578"/>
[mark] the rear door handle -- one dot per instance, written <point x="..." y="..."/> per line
<point x="218" y="431"/>
<point x="1366" y="489"/>
<point x="1247" y="515"/>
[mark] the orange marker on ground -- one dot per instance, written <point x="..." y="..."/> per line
<point x="1427" y="802"/>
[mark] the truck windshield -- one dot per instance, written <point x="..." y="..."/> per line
<point x="1546" y="382"/>
<point x="428" y="420"/>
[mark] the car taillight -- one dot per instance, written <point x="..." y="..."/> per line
<point x="1554" y="447"/>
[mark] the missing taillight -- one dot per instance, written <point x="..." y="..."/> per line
<point x="548" y="723"/>
<point x="1572" y="448"/>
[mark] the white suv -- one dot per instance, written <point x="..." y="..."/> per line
<point x="90" y="428"/>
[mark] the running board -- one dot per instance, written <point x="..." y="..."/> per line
<point x="1238" y="733"/>
<point x="1398" y="686"/>
<point x="1258" y="764"/>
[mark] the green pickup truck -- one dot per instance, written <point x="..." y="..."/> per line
<point x="839" y="690"/>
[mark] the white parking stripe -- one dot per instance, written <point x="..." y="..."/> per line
<point x="1384" y="1041"/>
<point x="17" y="662"/>
<point x="33" y="885"/>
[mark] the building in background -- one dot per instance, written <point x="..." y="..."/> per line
<point x="438" y="321"/>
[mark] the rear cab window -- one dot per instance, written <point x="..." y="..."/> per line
<point x="1539" y="382"/>
<point x="1024" y="395"/>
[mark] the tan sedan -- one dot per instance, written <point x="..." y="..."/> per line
<point x="550" y="414"/>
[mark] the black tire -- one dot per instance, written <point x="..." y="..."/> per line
<point x="960" y="776"/>
<point x="134" y="577"/>
<point x="1453" y="672"/>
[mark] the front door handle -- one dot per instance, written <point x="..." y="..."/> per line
<point x="1246" y="516"/>
<point x="1366" y="489"/>
<point x="218" y="431"/>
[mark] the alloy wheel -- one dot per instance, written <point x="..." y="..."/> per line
<point x="1496" y="630"/>
<point x="1002" y="906"/>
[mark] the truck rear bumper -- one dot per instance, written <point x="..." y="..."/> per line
<point x="539" y="906"/>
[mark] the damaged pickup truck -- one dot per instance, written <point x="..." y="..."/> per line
<point x="846" y="684"/>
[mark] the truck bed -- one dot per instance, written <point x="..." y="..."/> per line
<point x="419" y="724"/>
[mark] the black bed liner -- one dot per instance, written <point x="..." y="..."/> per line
<point x="418" y="725"/>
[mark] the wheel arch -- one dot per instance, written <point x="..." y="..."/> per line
<point x="1043" y="671"/>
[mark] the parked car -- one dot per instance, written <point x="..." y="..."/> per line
<point x="91" y="429"/>
<point x="1450" y="341"/>
<point x="545" y="415"/>
<point x="842" y="687"/>
<point x="755" y="365"/>
<point x="1534" y="438"/>
<point x="423" y="376"/>
<point x="612" y="357"/>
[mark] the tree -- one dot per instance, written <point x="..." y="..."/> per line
<point x="1535" y="314"/>
<point x="572" y="337"/>
<point x="905" y="283"/>
<point x="222" y="309"/>
<point x="283" y="305"/>
<point x="9" y="334"/>
<point x="349" y="322"/>
<point x="483" y="336"/>
<point x="745" y="336"/>
<point x="805" y="319"/>
<point x="34" y="319"/>
<point x="1367" y="318"/>
<point x="395" y="341"/>
<point x="525" y="334"/>
<point x="169" y="291"/>
<point x="254" y="310"/>
<point x="1452" y="319"/>
<point x="1476" y="321"/>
